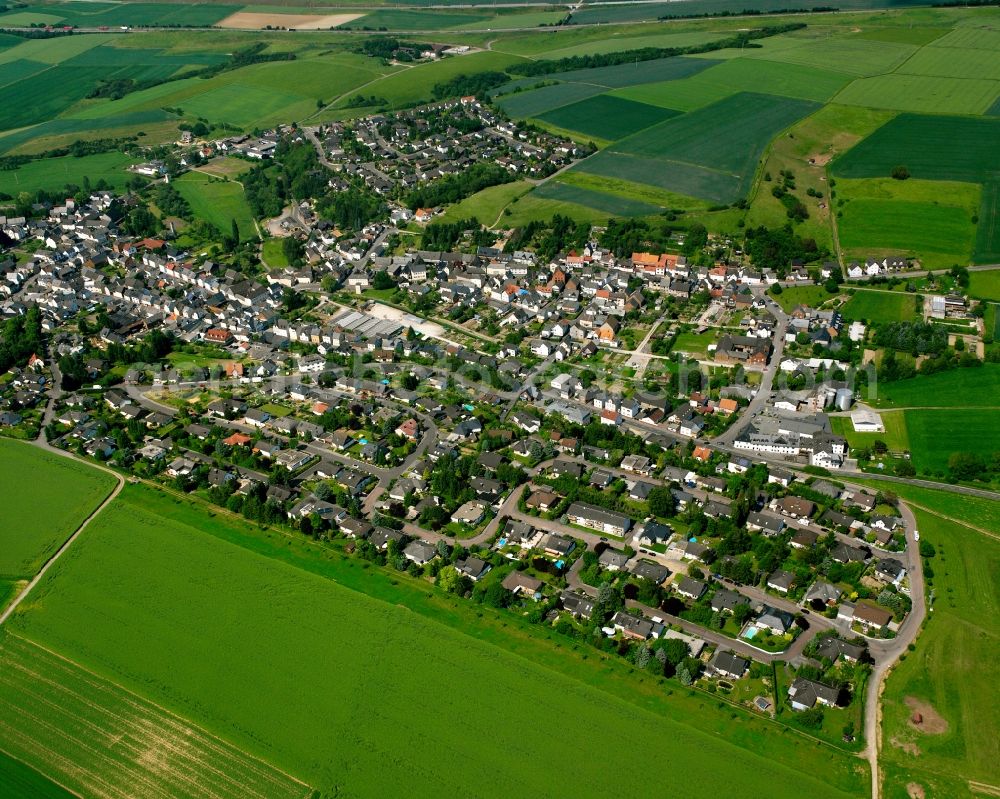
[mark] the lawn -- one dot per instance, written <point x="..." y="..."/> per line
<point x="273" y="253"/>
<point x="813" y="296"/>
<point x="936" y="434"/>
<point x="969" y="388"/>
<point x="217" y="201"/>
<point x="153" y="569"/>
<point x="31" y="480"/>
<point x="52" y="174"/>
<point x="985" y="285"/>
<point x="946" y="672"/>
<point x="694" y="344"/>
<point x="880" y="306"/>
<point x="711" y="153"/>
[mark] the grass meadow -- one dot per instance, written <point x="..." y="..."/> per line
<point x="613" y="205"/>
<point x="974" y="387"/>
<point x="985" y="285"/>
<point x="52" y="174"/>
<point x="882" y="306"/>
<point x="217" y="201"/>
<point x="487" y="205"/>
<point x="946" y="668"/>
<point x="31" y="480"/>
<point x="153" y="569"/>
<point x="936" y="434"/>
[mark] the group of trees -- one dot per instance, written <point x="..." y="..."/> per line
<point x="21" y="338"/>
<point x="775" y="249"/>
<point x="739" y="40"/>
<point x="468" y="85"/>
<point x="452" y="188"/>
<point x="916" y="338"/>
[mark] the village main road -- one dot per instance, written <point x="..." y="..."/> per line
<point x="763" y="393"/>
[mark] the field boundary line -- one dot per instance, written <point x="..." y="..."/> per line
<point x="940" y="515"/>
<point x="8" y="612"/>
<point x="175" y="717"/>
<point x="51" y="779"/>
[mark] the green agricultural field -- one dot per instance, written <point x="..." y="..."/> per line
<point x="977" y="511"/>
<point x="952" y="62"/>
<point x="945" y="671"/>
<point x="975" y="387"/>
<point x="37" y="84"/>
<point x="711" y="153"/>
<point x="881" y="306"/>
<point x="805" y="151"/>
<point x="895" y="436"/>
<point x="606" y="117"/>
<point x="930" y="147"/>
<point x="615" y="41"/>
<point x="413" y="86"/>
<point x="632" y="191"/>
<point x="17" y="779"/>
<point x="217" y="201"/>
<point x="522" y="105"/>
<point x="52" y="174"/>
<point x="611" y="204"/>
<point x="93" y="15"/>
<point x="936" y="434"/>
<point x="922" y="94"/>
<point x="985" y="285"/>
<point x="30" y="479"/>
<point x="621" y="75"/>
<point x="768" y="77"/>
<point x="62" y="132"/>
<point x="680" y="95"/>
<point x="531" y="207"/>
<point x="842" y="53"/>
<point x="151" y="569"/>
<point x="938" y="235"/>
<point x="988" y="230"/>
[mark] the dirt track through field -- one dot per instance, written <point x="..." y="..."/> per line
<point x="100" y="740"/>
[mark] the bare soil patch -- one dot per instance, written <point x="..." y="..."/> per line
<point x="907" y="746"/>
<point x="915" y="790"/>
<point x="820" y="159"/>
<point x="925" y="718"/>
<point x="245" y="20"/>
